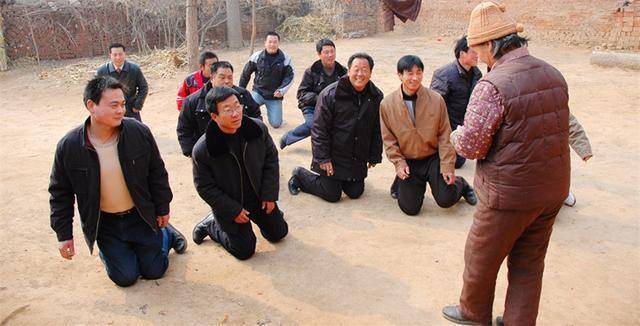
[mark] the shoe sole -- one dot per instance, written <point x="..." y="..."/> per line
<point x="193" y="232"/>
<point x="186" y="243"/>
<point x="459" y="322"/>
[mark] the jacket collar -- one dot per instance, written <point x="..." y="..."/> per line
<point x="205" y="89"/>
<point x="112" y="67"/>
<point x="463" y="73"/>
<point x="344" y="89"/>
<point x="215" y="140"/>
<point x="318" y="68"/>
<point x="512" y="55"/>
<point x="85" y="131"/>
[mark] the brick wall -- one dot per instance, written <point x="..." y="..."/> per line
<point x="350" y="18"/>
<point x="577" y="22"/>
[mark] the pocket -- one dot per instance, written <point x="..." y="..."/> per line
<point x="79" y="179"/>
<point x="140" y="162"/>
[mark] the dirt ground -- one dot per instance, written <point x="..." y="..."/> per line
<point x="354" y="262"/>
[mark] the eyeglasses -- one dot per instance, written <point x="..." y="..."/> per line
<point x="237" y="109"/>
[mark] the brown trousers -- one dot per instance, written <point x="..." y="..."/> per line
<point x="523" y="235"/>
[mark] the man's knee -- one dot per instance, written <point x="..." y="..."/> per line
<point x="409" y="209"/>
<point x="276" y="234"/>
<point x="124" y="279"/>
<point x="355" y="194"/>
<point x="155" y="273"/>
<point x="333" y="197"/>
<point x="243" y="253"/>
<point x="445" y="202"/>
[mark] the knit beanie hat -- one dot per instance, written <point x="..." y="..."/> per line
<point x="489" y="22"/>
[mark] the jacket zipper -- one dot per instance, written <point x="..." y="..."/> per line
<point x="244" y="157"/>
<point x="239" y="170"/>
<point x="95" y="238"/>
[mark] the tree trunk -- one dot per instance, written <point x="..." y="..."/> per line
<point x="4" y="62"/>
<point x="234" y="27"/>
<point x="192" y="33"/>
<point x="253" y="26"/>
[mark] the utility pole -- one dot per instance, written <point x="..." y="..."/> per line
<point x="234" y="26"/>
<point x="192" y="34"/>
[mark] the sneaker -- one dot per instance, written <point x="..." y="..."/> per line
<point x="283" y="141"/>
<point x="200" y="232"/>
<point x="469" y="195"/>
<point x="179" y="243"/>
<point x="571" y="200"/>
<point x="294" y="183"/>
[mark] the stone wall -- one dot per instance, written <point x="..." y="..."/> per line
<point x="613" y="24"/>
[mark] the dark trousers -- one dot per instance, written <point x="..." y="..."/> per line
<point x="523" y="236"/>
<point x="130" y="248"/>
<point x="302" y="131"/>
<point x="242" y="243"/>
<point x="459" y="161"/>
<point x="328" y="188"/>
<point x="411" y="190"/>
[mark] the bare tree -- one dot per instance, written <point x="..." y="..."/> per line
<point x="192" y="33"/>
<point x="253" y="26"/>
<point x="234" y="27"/>
<point x="3" y="53"/>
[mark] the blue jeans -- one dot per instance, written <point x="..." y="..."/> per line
<point x="274" y="109"/>
<point x="129" y="248"/>
<point x="302" y="131"/>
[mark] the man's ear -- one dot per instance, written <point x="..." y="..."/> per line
<point x="400" y="76"/>
<point x="90" y="106"/>
<point x="214" y="116"/>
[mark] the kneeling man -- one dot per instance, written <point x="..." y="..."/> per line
<point x="111" y="164"/>
<point x="235" y="170"/>
<point x="415" y="131"/>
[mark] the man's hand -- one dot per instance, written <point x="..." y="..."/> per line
<point x="449" y="178"/>
<point x="586" y="158"/>
<point x="371" y="165"/>
<point x="67" y="250"/>
<point x="268" y="206"/>
<point x="242" y="217"/>
<point x="163" y="221"/>
<point x="327" y="167"/>
<point x="277" y="94"/>
<point x="135" y="110"/>
<point x="402" y="170"/>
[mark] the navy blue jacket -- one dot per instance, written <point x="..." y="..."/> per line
<point x="454" y="85"/>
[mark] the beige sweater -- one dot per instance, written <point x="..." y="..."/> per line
<point x="114" y="194"/>
<point x="430" y="135"/>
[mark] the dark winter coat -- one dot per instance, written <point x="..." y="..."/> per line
<point x="314" y="81"/>
<point x="346" y="130"/>
<point x="217" y="174"/>
<point x="76" y="172"/>
<point x="194" y="117"/>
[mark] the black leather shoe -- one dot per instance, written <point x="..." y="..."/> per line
<point x="179" y="243"/>
<point x="283" y="141"/>
<point x="499" y="321"/>
<point x="200" y="230"/>
<point x="469" y="195"/>
<point x="393" y="193"/>
<point x="453" y="314"/>
<point x="294" y="183"/>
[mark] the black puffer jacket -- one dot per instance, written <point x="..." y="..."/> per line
<point x="453" y="84"/>
<point x="314" y="81"/>
<point x="194" y="117"/>
<point x="346" y="130"/>
<point x="76" y="172"/>
<point x="217" y="175"/>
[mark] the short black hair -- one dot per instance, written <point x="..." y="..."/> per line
<point x="206" y="55"/>
<point x="508" y="43"/>
<point x="407" y="63"/>
<point x="272" y="33"/>
<point x="324" y="42"/>
<point x="461" y="45"/>
<point x="360" y="55"/>
<point x="117" y="45"/>
<point x="217" y="95"/>
<point x="96" y="86"/>
<point x="219" y="65"/>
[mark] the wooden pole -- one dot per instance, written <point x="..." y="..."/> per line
<point x="253" y="26"/>
<point x="234" y="27"/>
<point x="4" y="61"/>
<point x="192" y="34"/>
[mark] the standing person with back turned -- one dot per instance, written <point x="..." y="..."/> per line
<point x="517" y="128"/>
